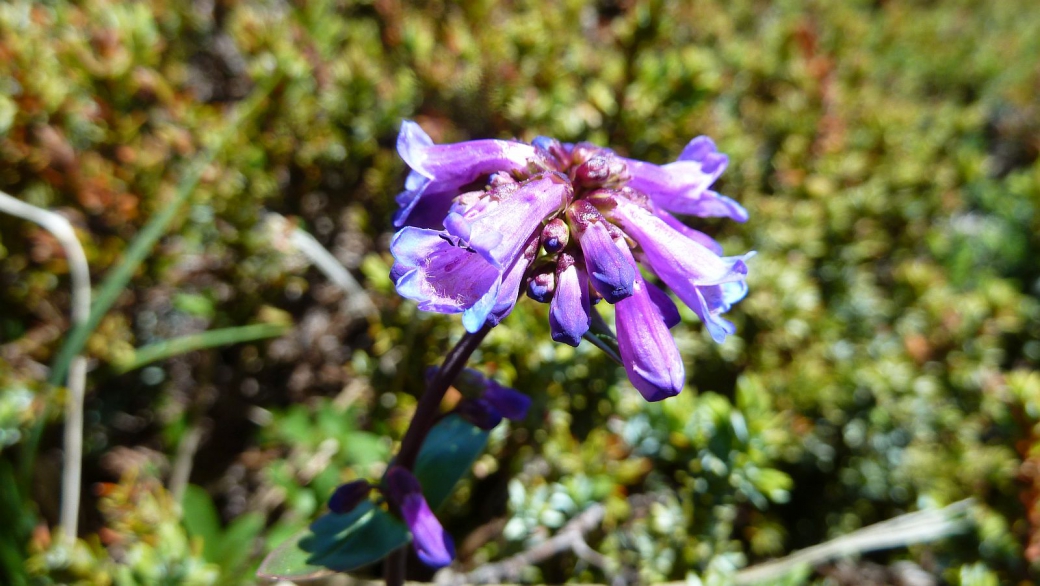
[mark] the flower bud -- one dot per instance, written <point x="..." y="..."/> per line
<point x="554" y="149"/>
<point x="432" y="543"/>
<point x="500" y="178"/>
<point x="555" y="236"/>
<point x="479" y="412"/>
<point x="583" y="151"/>
<point x="348" y="496"/>
<point x="542" y="283"/>
<point x="601" y="171"/>
<point x="511" y="403"/>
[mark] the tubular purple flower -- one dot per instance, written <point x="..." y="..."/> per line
<point x="439" y="171"/>
<point x="695" y="235"/>
<point x="682" y="186"/>
<point x="499" y="224"/>
<point x="479" y="412"/>
<point x="570" y="308"/>
<point x="511" y="403"/>
<point x="442" y="275"/>
<point x="679" y="261"/>
<point x="687" y="267"/>
<point x="648" y="351"/>
<point x="432" y="543"/>
<point x="611" y="274"/>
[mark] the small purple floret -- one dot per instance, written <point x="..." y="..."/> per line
<point x="348" y="496"/>
<point x="432" y="543"/>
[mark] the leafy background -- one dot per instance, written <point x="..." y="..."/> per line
<point x="886" y="358"/>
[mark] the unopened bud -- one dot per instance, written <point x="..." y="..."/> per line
<point x="583" y="151"/>
<point x="500" y="178"/>
<point x="554" y="149"/>
<point x="479" y="412"/>
<point x="542" y="283"/>
<point x="348" y="496"/>
<point x="601" y="171"/>
<point x="555" y="236"/>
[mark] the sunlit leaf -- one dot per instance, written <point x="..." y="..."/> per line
<point x="447" y="454"/>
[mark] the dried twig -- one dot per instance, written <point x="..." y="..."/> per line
<point x="358" y="301"/>
<point x="77" y="375"/>
<point x="570" y="538"/>
<point x="901" y="531"/>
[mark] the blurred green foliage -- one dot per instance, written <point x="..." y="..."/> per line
<point x="886" y="358"/>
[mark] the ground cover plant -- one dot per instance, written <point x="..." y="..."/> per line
<point x="206" y="154"/>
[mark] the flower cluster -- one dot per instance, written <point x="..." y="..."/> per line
<point x="481" y="221"/>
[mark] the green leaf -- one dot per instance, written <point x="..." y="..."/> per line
<point x="288" y="561"/>
<point x="368" y="534"/>
<point x="201" y="520"/>
<point x="447" y="455"/>
<point x="361" y="537"/>
<point x="237" y="543"/>
<point x="191" y="342"/>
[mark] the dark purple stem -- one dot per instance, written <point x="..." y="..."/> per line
<point x="426" y="414"/>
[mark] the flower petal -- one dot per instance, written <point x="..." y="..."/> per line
<point x="441" y="275"/>
<point x="432" y="543"/>
<point x="683" y="186"/>
<point x="499" y="224"/>
<point x="610" y="273"/>
<point x="513" y="279"/>
<point x="648" y="350"/>
<point x="448" y="167"/>
<point x="665" y="306"/>
<point x="569" y="310"/>
<point x="511" y="403"/>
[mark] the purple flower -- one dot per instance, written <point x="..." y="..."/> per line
<point x="432" y="543"/>
<point x="440" y="171"/>
<point x="488" y="402"/>
<point x="485" y="220"/>
<point x="682" y="186"/>
<point x="648" y="351"/>
<point x="570" y="310"/>
<point x="348" y="496"/>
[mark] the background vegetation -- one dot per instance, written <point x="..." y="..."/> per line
<point x="886" y="358"/>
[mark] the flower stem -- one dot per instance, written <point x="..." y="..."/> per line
<point x="426" y="414"/>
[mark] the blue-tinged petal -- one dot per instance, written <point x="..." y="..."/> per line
<point x="513" y="279"/>
<point x="710" y="303"/>
<point x="435" y="271"/>
<point x="569" y="310"/>
<point x="449" y="167"/>
<point x="511" y="403"/>
<point x="648" y="351"/>
<point x="432" y="543"/>
<point x="610" y="273"/>
<point x="683" y="186"/>
<point x="479" y="412"/>
<point x="500" y="223"/>
<point x="348" y="496"/>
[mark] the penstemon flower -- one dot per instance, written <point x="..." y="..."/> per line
<point x="571" y="224"/>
